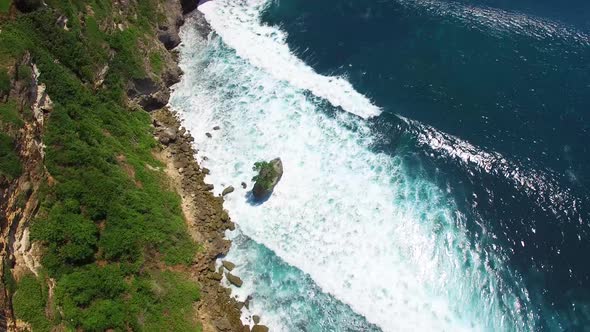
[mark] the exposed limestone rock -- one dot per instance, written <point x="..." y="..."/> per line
<point x="227" y="190"/>
<point x="148" y="93"/>
<point x="228" y="265"/>
<point x="207" y="221"/>
<point x="62" y="22"/>
<point x="259" y="328"/>
<point x="267" y="179"/>
<point x="167" y="136"/>
<point x="216" y="276"/>
<point x="168" y="37"/>
<point x="256" y="319"/>
<point x="234" y="280"/>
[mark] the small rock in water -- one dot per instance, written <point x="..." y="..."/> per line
<point x="208" y="135"/>
<point x="234" y="280"/>
<point x="244" y="185"/>
<point x="228" y="265"/>
<point x="227" y="190"/>
<point x="216" y="128"/>
<point x="259" y="328"/>
<point x="256" y="319"/>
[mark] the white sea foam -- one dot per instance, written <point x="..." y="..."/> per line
<point x="264" y="46"/>
<point x="392" y="246"/>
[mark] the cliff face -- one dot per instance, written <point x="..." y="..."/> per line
<point x="85" y="208"/>
<point x="19" y="199"/>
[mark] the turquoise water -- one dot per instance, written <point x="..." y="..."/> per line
<point x="412" y="199"/>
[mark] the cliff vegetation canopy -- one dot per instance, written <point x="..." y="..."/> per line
<point x="109" y="226"/>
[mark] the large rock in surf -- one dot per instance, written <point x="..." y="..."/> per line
<point x="269" y="174"/>
<point x="259" y="328"/>
<point x="234" y="280"/>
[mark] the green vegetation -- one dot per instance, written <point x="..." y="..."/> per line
<point x="107" y="221"/>
<point x="9" y="163"/>
<point x="4" y="6"/>
<point x="4" y="81"/>
<point x="29" y="303"/>
<point x="266" y="174"/>
<point x="9" y="114"/>
<point x="166" y="299"/>
<point x="156" y="62"/>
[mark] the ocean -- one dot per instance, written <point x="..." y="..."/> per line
<point x="436" y="159"/>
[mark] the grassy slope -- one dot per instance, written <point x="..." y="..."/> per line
<point x="107" y="221"/>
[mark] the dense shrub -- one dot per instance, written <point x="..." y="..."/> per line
<point x="10" y="165"/>
<point x="9" y="114"/>
<point x="4" y="82"/>
<point x="29" y="303"/>
<point x="103" y="228"/>
<point x="266" y="174"/>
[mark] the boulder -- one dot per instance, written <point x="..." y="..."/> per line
<point x="168" y="37"/>
<point x="244" y="185"/>
<point x="267" y="179"/>
<point x="215" y="276"/>
<point x="208" y="135"/>
<point x="228" y="265"/>
<point x="259" y="328"/>
<point x="148" y="93"/>
<point x="227" y="190"/>
<point x="216" y="128"/>
<point x="167" y="136"/>
<point x="188" y="5"/>
<point x="234" y="280"/>
<point x="256" y="319"/>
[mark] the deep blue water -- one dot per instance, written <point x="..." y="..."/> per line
<point x="509" y="84"/>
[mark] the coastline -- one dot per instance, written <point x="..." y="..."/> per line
<point x="24" y="196"/>
<point x="205" y="218"/>
<point x="204" y="214"/>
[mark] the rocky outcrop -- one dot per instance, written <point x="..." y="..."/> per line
<point x="207" y="221"/>
<point x="148" y="93"/>
<point x="188" y="5"/>
<point x="268" y="176"/>
<point x="259" y="328"/>
<point x="234" y="280"/>
<point x="227" y="191"/>
<point x="228" y="265"/>
<point x="19" y="197"/>
<point x="168" y="31"/>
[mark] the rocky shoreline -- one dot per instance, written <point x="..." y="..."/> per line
<point x="207" y="222"/>
<point x="205" y="217"/>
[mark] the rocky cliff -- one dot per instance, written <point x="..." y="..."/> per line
<point x="86" y="193"/>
